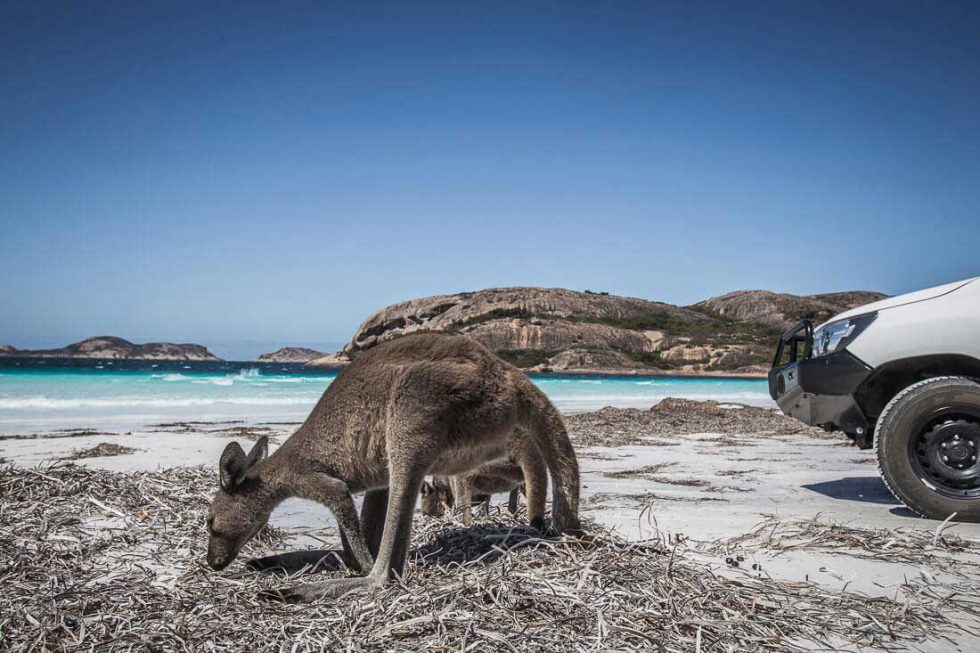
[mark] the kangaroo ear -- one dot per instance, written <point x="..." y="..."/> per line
<point x="258" y="452"/>
<point x="232" y="466"/>
<point x="427" y="489"/>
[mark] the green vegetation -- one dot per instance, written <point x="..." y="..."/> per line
<point x="694" y="326"/>
<point x="651" y="358"/>
<point x="672" y="324"/>
<point x="715" y="330"/>
<point x="495" y="314"/>
<point x="756" y="359"/>
<point x="526" y="357"/>
<point x="711" y="330"/>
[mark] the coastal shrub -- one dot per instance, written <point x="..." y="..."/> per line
<point x="753" y="359"/>
<point x="714" y="330"/>
<point x="496" y="314"/>
<point x="668" y="322"/>
<point x="651" y="359"/>
<point x="526" y="357"/>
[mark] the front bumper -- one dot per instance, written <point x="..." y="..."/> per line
<point x="819" y="391"/>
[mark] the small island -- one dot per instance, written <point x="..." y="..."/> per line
<point x="113" y="348"/>
<point x="291" y="355"/>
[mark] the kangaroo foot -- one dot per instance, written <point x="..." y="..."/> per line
<point x="568" y="525"/>
<point x="575" y="533"/>
<point x="328" y="589"/>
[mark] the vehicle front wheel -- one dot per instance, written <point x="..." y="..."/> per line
<point x="928" y="445"/>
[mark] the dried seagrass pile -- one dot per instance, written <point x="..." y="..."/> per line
<point x="613" y="427"/>
<point x="114" y="561"/>
<point x="101" y="450"/>
<point x="939" y="549"/>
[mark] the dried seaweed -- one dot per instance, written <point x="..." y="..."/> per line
<point x="101" y="450"/>
<point x="113" y="561"/>
<point x="640" y="472"/>
<point x="939" y="549"/>
<point x="673" y="417"/>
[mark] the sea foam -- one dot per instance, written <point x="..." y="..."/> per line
<point x="49" y="403"/>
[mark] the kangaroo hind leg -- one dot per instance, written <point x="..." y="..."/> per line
<point x="536" y="486"/>
<point x="549" y="435"/>
<point x="463" y="497"/>
<point x="373" y="518"/>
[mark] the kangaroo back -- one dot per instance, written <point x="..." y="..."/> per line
<point x="547" y="431"/>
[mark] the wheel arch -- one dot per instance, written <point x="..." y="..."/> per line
<point x="887" y="380"/>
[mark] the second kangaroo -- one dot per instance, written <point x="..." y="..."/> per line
<point x="523" y="468"/>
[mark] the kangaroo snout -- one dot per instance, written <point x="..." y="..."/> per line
<point x="218" y="561"/>
<point x="220" y="555"/>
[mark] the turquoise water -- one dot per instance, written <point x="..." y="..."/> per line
<point x="34" y="398"/>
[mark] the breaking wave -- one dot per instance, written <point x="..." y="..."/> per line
<point x="154" y="402"/>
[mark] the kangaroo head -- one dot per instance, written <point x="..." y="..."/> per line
<point x="242" y="505"/>
<point x="436" y="498"/>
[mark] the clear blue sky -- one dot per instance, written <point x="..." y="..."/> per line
<point x="272" y="173"/>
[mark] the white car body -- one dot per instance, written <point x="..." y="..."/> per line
<point x="935" y="321"/>
<point x="901" y="376"/>
<point x="847" y="377"/>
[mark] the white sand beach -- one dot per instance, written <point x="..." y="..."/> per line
<point x="826" y="517"/>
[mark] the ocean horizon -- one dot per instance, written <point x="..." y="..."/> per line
<point x="121" y="395"/>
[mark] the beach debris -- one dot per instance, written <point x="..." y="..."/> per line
<point x="594" y="454"/>
<point x="644" y="498"/>
<point x="939" y="549"/>
<point x="192" y="426"/>
<point x="229" y="428"/>
<point x="672" y="416"/>
<point x="640" y="472"/>
<point x="736" y="472"/>
<point x="686" y="481"/>
<point x="114" y="561"/>
<point x="245" y="432"/>
<point x="653" y="473"/>
<point x="61" y="433"/>
<point x="103" y="449"/>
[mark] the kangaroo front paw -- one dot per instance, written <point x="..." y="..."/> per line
<point x="328" y="589"/>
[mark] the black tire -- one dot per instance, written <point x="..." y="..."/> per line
<point x="915" y="423"/>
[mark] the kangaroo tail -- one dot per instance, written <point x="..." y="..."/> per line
<point x="549" y="435"/>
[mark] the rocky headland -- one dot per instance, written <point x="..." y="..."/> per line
<point x="110" y="347"/>
<point x="560" y="330"/>
<point x="779" y="310"/>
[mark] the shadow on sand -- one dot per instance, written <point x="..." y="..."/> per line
<point x="451" y="545"/>
<point x="869" y="489"/>
<point x="294" y="562"/>
<point x="902" y="511"/>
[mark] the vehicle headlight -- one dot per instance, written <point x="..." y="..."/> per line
<point x="838" y="335"/>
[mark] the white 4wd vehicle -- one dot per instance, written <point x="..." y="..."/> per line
<point x="907" y="370"/>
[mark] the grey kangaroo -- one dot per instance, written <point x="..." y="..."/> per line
<point x="422" y="404"/>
